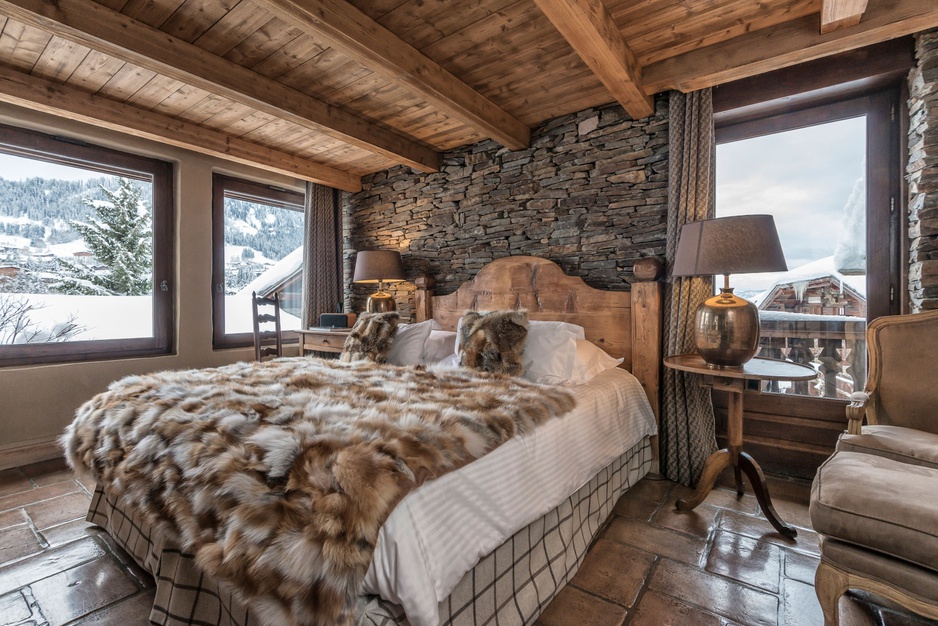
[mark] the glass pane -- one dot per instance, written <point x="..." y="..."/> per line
<point x="263" y="253"/>
<point x="76" y="254"/>
<point x="813" y="180"/>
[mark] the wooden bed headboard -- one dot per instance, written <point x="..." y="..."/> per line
<point x="626" y="324"/>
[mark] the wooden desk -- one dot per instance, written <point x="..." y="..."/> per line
<point x="734" y="382"/>
<point x="322" y="340"/>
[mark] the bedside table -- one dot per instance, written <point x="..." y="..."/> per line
<point x="323" y="340"/>
<point x="733" y="380"/>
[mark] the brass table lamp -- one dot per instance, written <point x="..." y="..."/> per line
<point x="726" y="326"/>
<point x="379" y="266"/>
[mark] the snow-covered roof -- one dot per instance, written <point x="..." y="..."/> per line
<point x="69" y="248"/>
<point x="276" y="275"/>
<point x="821" y="268"/>
<point x="789" y="316"/>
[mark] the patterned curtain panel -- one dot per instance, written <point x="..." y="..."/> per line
<point x="687" y="427"/>
<point x="322" y="254"/>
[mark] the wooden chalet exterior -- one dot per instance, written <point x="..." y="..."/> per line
<point x="818" y="296"/>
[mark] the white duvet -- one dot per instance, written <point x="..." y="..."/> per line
<point x="441" y="530"/>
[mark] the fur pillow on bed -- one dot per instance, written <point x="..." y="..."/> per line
<point x="493" y="341"/>
<point x="370" y="339"/>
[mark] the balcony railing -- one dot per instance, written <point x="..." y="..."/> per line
<point x="834" y="345"/>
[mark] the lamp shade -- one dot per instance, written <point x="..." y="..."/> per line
<point x="743" y="244"/>
<point x="374" y="266"/>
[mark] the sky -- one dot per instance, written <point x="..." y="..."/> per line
<point x="19" y="168"/>
<point x="803" y="177"/>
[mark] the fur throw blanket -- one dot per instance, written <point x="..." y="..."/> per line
<point x="279" y="475"/>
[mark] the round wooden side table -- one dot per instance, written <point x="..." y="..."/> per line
<point x="733" y="381"/>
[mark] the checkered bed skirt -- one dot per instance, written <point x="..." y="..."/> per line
<point x="511" y="586"/>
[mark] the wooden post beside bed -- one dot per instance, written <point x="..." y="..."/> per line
<point x="626" y="324"/>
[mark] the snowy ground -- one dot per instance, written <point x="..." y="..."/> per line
<point x="103" y="317"/>
<point x="239" y="315"/>
<point x="128" y="317"/>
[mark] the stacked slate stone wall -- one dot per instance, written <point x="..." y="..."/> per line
<point x="923" y="174"/>
<point x="590" y="194"/>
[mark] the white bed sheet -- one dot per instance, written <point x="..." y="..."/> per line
<point x="441" y="530"/>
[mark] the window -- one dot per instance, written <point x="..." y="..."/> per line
<point x="827" y="175"/>
<point x="86" y="251"/>
<point x="258" y="247"/>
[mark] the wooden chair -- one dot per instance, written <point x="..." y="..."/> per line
<point x="873" y="502"/>
<point x="267" y="343"/>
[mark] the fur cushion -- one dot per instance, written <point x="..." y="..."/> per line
<point x="493" y="341"/>
<point x="370" y="339"/>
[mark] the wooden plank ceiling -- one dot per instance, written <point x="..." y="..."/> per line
<point x="330" y="90"/>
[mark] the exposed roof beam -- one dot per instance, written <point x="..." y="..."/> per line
<point x="43" y="95"/>
<point x="354" y="34"/>
<point x="787" y="44"/>
<point x="108" y="31"/>
<point x="841" y="14"/>
<point x="593" y="34"/>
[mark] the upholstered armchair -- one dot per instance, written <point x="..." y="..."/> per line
<point x="900" y="402"/>
<point x="875" y="501"/>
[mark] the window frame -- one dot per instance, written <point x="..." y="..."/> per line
<point x="884" y="197"/>
<point x="249" y="191"/>
<point x="76" y="153"/>
<point x="885" y="205"/>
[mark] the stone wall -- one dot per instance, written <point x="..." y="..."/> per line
<point x="923" y="174"/>
<point x="590" y="194"/>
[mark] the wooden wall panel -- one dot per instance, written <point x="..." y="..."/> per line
<point x="95" y="70"/>
<point x="712" y="26"/>
<point x="21" y="45"/>
<point x="792" y="444"/>
<point x="60" y="59"/>
<point x="194" y="17"/>
<point x="261" y="43"/>
<point x="150" y="12"/>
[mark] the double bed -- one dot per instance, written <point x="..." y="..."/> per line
<point x="495" y="540"/>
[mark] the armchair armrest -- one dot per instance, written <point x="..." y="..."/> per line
<point x="856" y="411"/>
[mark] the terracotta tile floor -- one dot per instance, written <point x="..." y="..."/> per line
<point x="719" y="565"/>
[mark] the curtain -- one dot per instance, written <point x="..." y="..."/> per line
<point x="687" y="426"/>
<point x="322" y="254"/>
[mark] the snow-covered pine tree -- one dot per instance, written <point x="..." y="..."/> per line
<point x="119" y="237"/>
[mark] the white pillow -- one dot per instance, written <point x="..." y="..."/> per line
<point x="550" y="351"/>
<point x="408" y="344"/>
<point x="439" y="345"/>
<point x="590" y="360"/>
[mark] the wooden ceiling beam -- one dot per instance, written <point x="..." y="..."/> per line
<point x="350" y="31"/>
<point x="39" y="94"/>
<point x="837" y="14"/>
<point x="592" y="33"/>
<point x="786" y="44"/>
<point x="108" y="31"/>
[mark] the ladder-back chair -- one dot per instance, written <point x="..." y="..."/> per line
<point x="267" y="343"/>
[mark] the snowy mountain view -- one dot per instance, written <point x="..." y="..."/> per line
<point x="75" y="258"/>
<point x="256" y="237"/>
<point x="263" y="250"/>
<point x="76" y="254"/>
